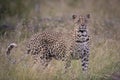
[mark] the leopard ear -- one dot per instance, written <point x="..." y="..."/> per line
<point x="88" y="16"/>
<point x="74" y="16"/>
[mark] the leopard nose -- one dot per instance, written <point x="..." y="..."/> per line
<point x="82" y="24"/>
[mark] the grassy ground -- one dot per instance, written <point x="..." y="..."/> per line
<point x="56" y="15"/>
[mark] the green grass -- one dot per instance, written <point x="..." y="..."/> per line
<point x="104" y="60"/>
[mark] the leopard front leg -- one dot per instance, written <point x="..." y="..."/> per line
<point x="85" y="60"/>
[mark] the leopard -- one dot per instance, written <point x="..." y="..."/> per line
<point x="48" y="45"/>
<point x="81" y="46"/>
